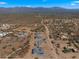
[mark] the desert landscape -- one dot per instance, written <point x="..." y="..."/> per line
<point x="44" y="38"/>
<point x="39" y="29"/>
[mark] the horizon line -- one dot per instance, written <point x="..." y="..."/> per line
<point x="38" y="7"/>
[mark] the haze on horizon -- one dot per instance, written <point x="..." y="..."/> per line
<point x="72" y="4"/>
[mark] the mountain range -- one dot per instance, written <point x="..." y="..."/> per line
<point x="41" y="10"/>
<point x="31" y="15"/>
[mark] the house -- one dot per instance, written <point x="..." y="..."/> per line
<point x="4" y="33"/>
<point x="5" y="26"/>
<point x="64" y="36"/>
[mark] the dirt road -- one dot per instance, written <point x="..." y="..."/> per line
<point x="52" y="46"/>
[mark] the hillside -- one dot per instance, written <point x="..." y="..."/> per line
<point x="32" y="15"/>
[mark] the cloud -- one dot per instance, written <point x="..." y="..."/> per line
<point x="2" y="3"/>
<point x="75" y="3"/>
<point x="44" y="0"/>
<point x="28" y="5"/>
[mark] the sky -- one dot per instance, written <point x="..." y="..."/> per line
<point x="40" y="3"/>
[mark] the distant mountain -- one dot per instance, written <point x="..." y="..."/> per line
<point x="56" y="12"/>
<point x="42" y="10"/>
<point x="31" y="15"/>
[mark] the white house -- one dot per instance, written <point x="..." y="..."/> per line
<point x="3" y="34"/>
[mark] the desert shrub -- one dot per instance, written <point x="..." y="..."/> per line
<point x="36" y="58"/>
<point x="73" y="56"/>
<point x="66" y="50"/>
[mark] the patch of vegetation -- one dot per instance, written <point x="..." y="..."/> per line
<point x="66" y="50"/>
<point x="36" y="58"/>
